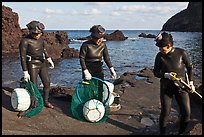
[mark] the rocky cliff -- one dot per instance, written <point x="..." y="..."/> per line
<point x="56" y="42"/>
<point x="11" y="31"/>
<point x="188" y="20"/>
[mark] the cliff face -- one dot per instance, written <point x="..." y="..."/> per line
<point x="56" y="42"/>
<point x="188" y="20"/>
<point x="11" y="31"/>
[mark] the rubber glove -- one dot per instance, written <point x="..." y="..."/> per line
<point x="113" y="73"/>
<point x="51" y="63"/>
<point x="26" y="76"/>
<point x="87" y="74"/>
<point x="192" y="86"/>
<point x="169" y="75"/>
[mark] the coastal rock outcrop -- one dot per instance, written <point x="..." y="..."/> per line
<point x="116" y="36"/>
<point x="188" y="20"/>
<point x="69" y="53"/>
<point x="147" y="35"/>
<point x="56" y="42"/>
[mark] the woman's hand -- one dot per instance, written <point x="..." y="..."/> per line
<point x="113" y="73"/>
<point x="87" y="74"/>
<point x="51" y="63"/>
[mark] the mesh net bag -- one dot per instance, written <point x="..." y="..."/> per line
<point x="86" y="90"/>
<point x="34" y="92"/>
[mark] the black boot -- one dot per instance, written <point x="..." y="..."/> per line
<point x="182" y="128"/>
<point x="162" y="130"/>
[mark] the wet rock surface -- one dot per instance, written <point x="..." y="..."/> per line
<point x="139" y="113"/>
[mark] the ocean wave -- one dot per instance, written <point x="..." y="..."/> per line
<point x="76" y="41"/>
<point x="134" y="38"/>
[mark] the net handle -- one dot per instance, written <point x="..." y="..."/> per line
<point x="28" y="83"/>
<point x="77" y="94"/>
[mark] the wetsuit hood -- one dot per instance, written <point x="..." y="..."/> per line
<point x="163" y="39"/>
<point x="35" y="27"/>
<point x="97" y="31"/>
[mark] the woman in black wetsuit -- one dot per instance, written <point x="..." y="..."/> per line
<point x="168" y="61"/>
<point x="91" y="54"/>
<point x="33" y="57"/>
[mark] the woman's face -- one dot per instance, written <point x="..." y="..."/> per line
<point x="166" y="49"/>
<point x="36" y="35"/>
<point x="99" y="41"/>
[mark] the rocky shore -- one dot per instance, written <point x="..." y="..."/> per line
<point x="139" y="113"/>
<point x="139" y="91"/>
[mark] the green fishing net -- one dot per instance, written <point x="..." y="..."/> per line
<point x="86" y="90"/>
<point x="34" y="93"/>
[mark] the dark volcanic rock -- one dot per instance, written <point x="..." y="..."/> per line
<point x="69" y="53"/>
<point x="147" y="35"/>
<point x="188" y="20"/>
<point x="116" y="36"/>
<point x="138" y="102"/>
<point x="11" y="31"/>
<point x="56" y="42"/>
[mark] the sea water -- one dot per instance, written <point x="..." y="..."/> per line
<point x="130" y="55"/>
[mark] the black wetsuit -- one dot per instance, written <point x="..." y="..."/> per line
<point x="91" y="56"/>
<point x="176" y="61"/>
<point x="33" y="57"/>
